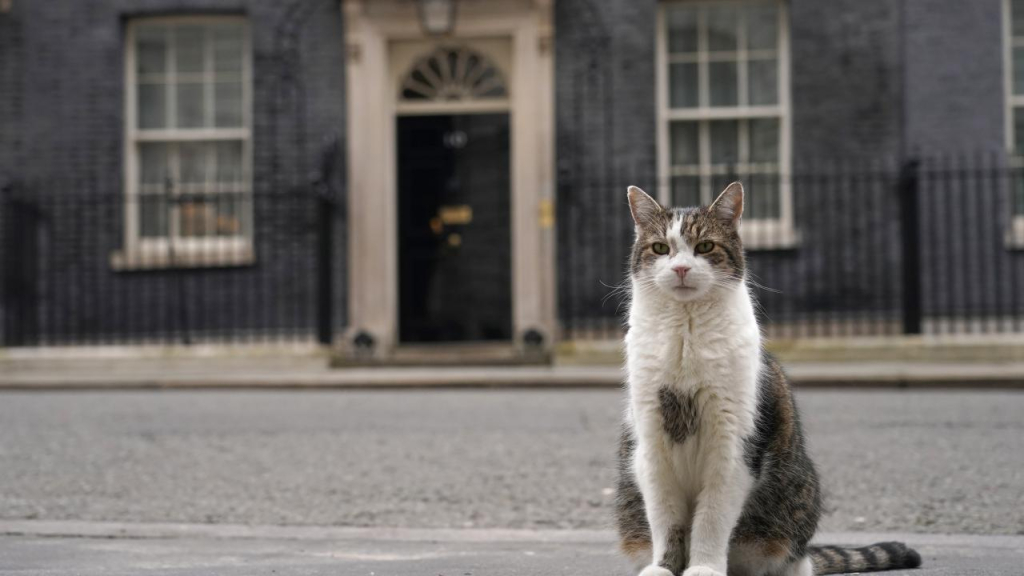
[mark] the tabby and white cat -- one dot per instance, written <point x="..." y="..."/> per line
<point x="714" y="476"/>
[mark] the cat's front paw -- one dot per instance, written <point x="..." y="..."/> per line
<point x="653" y="570"/>
<point x="702" y="571"/>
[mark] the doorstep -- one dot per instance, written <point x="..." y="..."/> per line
<point x="449" y="355"/>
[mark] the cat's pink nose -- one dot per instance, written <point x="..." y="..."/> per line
<point x="681" y="271"/>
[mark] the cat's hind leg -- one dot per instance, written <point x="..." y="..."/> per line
<point x="630" y="514"/>
<point x="759" y="558"/>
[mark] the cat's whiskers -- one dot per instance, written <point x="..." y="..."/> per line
<point x="751" y="280"/>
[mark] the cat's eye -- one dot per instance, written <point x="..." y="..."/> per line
<point x="660" y="248"/>
<point x="704" y="247"/>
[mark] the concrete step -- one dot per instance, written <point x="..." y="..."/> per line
<point x="986" y="349"/>
<point x="447" y="355"/>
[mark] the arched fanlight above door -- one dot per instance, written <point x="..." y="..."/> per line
<point x="453" y="74"/>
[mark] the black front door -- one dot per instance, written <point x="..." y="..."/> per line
<point x="453" y="228"/>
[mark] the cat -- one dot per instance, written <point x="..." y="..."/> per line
<point x="714" y="477"/>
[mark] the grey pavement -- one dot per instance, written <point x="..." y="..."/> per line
<point x="893" y="461"/>
<point x="313" y="372"/>
<point x="225" y="550"/>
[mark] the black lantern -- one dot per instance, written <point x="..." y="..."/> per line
<point x="437" y="17"/>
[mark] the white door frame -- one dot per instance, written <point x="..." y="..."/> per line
<point x="371" y="26"/>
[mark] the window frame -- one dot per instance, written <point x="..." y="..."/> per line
<point x="1015" y="234"/>
<point x="174" y="250"/>
<point x="758" y="233"/>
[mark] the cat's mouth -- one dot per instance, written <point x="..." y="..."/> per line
<point x="684" y="288"/>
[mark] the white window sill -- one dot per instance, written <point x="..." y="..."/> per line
<point x="768" y="235"/>
<point x="187" y="257"/>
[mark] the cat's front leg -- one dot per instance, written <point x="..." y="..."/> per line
<point x="725" y="485"/>
<point x="665" y="509"/>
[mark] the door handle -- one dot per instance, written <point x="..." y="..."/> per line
<point x="455" y="214"/>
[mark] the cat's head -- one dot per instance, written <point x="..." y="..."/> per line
<point x="687" y="253"/>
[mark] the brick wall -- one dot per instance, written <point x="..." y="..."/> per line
<point x="605" y="114"/>
<point x="872" y="82"/>
<point x="62" y="120"/>
<point x="954" y="77"/>
<point x="11" y="77"/>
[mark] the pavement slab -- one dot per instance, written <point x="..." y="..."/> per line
<point x="51" y="549"/>
<point x="221" y="373"/>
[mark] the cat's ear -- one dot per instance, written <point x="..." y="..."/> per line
<point x="645" y="209"/>
<point x="728" y="207"/>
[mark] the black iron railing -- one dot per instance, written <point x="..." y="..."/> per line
<point x="933" y="246"/>
<point x="103" y="269"/>
<point x="930" y="246"/>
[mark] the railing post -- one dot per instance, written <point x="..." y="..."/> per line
<point x="910" y="243"/>
<point x="7" y="240"/>
<point x="324" y="307"/>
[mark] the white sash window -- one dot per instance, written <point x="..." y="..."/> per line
<point x="1013" y="25"/>
<point x="188" y="142"/>
<point x="723" y="107"/>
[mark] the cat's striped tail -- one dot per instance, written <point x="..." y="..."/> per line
<point x="881" y="556"/>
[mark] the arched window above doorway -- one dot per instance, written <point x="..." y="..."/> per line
<point x="453" y="74"/>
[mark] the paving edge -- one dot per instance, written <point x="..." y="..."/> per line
<point x="803" y="375"/>
<point x="339" y="378"/>
<point x="146" y="530"/>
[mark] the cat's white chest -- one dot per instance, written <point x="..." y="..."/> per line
<point x="710" y="356"/>
<point x="692" y="353"/>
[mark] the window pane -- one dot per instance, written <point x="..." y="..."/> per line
<point x="720" y="181"/>
<point x="227" y="48"/>
<point x="153" y="210"/>
<point x="1018" y="131"/>
<point x="723" y="83"/>
<point x="190" y="105"/>
<point x="229" y="162"/>
<point x="725" y="142"/>
<point x="686" y="191"/>
<point x="151" y="49"/>
<point x="152" y="103"/>
<point x="723" y="23"/>
<point x="683" y="85"/>
<point x="227" y="104"/>
<point x="762" y="82"/>
<point x="153" y="164"/>
<point x="188" y="49"/>
<point x="1017" y="10"/>
<point x="229" y="214"/>
<point x="1018" y="70"/>
<point x="682" y="29"/>
<point x="764" y="140"/>
<point x="685" y="149"/>
<point x="196" y="218"/>
<point x="762" y="196"/>
<point x="216" y="215"/>
<point x="1018" y="193"/>
<point x="192" y="159"/>
<point x="762" y="27"/>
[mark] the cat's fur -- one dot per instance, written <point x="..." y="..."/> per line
<point x="714" y="476"/>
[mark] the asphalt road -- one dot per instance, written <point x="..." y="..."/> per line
<point x="892" y="461"/>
